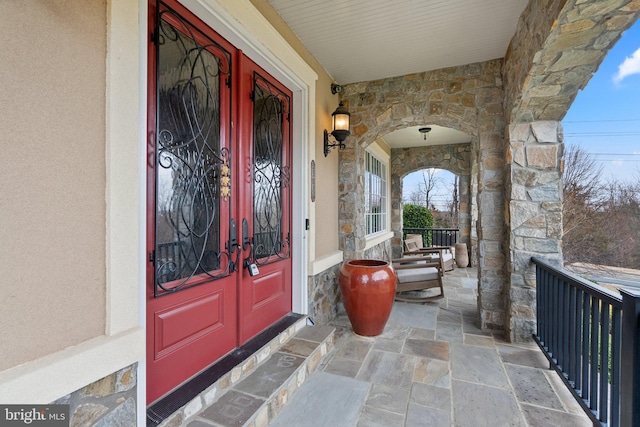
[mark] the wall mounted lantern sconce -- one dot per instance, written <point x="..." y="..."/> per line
<point x="340" y="119"/>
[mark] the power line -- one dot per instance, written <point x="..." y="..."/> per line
<point x="600" y="134"/>
<point x="601" y="121"/>
<point x="616" y="160"/>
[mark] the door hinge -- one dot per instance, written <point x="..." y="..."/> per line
<point x="152" y="257"/>
<point x="228" y="82"/>
<point x="154" y="37"/>
<point x="252" y="95"/>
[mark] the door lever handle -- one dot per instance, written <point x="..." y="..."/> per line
<point x="246" y="239"/>
<point x="232" y="246"/>
<point x="247" y="242"/>
<point x="233" y="236"/>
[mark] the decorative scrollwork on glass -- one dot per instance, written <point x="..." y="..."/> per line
<point x="192" y="172"/>
<point x="270" y="173"/>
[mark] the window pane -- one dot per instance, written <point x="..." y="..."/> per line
<point x="270" y="175"/>
<point x="188" y="157"/>
<point x="375" y="194"/>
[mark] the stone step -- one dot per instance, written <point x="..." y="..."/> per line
<point x="254" y="392"/>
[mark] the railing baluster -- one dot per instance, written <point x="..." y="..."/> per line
<point x="546" y="307"/>
<point x="586" y="333"/>
<point x="630" y="354"/>
<point x="559" y="327"/>
<point x="578" y="342"/>
<point x="565" y="326"/>
<point x="540" y="306"/>
<point x="616" y="345"/>
<point x="557" y="331"/>
<point x="593" y="360"/>
<point x="604" y="362"/>
<point x="549" y="314"/>
<point x="573" y="333"/>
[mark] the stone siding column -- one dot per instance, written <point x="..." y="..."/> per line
<point x="352" y="237"/>
<point x="534" y="194"/>
<point x="491" y="222"/>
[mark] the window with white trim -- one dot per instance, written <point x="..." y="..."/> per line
<point x="375" y="188"/>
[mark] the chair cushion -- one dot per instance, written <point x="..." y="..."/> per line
<point x="417" y="274"/>
<point x="411" y="245"/>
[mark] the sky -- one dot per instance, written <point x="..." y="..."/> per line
<point x="604" y="119"/>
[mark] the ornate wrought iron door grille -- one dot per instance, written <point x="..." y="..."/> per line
<point x="192" y="166"/>
<point x="271" y="175"/>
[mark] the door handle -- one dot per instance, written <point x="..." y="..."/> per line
<point x="232" y="245"/>
<point x="247" y="242"/>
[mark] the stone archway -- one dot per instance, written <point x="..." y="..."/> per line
<point x="468" y="98"/>
<point x="455" y="158"/>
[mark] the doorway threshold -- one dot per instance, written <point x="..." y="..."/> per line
<point x="162" y="409"/>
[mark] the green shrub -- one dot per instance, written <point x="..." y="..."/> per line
<point x="414" y="216"/>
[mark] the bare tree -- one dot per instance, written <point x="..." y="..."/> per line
<point x="453" y="204"/>
<point x="429" y="182"/>
<point x="414" y="198"/>
<point x="581" y="202"/>
<point x="601" y="220"/>
<point x="621" y="214"/>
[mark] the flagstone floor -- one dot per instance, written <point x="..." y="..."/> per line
<point x="432" y="366"/>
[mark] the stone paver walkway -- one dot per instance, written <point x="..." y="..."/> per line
<point x="432" y="366"/>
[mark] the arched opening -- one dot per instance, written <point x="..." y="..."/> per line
<point x="437" y="190"/>
<point x="431" y="169"/>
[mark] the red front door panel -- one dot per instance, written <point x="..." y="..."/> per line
<point x="185" y="333"/>
<point x="265" y="198"/>
<point x="208" y="164"/>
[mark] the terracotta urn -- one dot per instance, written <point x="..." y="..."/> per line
<point x="368" y="289"/>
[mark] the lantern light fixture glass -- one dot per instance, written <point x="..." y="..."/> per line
<point x="340" y="121"/>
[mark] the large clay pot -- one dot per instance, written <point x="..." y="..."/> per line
<point x="462" y="256"/>
<point x="368" y="288"/>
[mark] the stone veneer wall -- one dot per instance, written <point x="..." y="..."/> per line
<point x="324" y="295"/>
<point x="379" y="251"/>
<point x="325" y="299"/>
<point x="557" y="46"/>
<point x="534" y="215"/>
<point x="454" y="158"/>
<point x="108" y="402"/>
<point x="468" y="98"/>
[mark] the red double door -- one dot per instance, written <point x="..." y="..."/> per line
<point x="219" y="197"/>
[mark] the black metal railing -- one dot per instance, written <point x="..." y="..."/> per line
<point x="591" y="337"/>
<point x="435" y="236"/>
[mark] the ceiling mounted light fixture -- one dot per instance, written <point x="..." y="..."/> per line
<point x="340" y="119"/>
<point x="424" y="131"/>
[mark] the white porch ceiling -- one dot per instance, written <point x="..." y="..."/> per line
<point x="362" y="40"/>
<point x="411" y="137"/>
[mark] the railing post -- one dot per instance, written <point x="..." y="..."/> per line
<point x="630" y="359"/>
